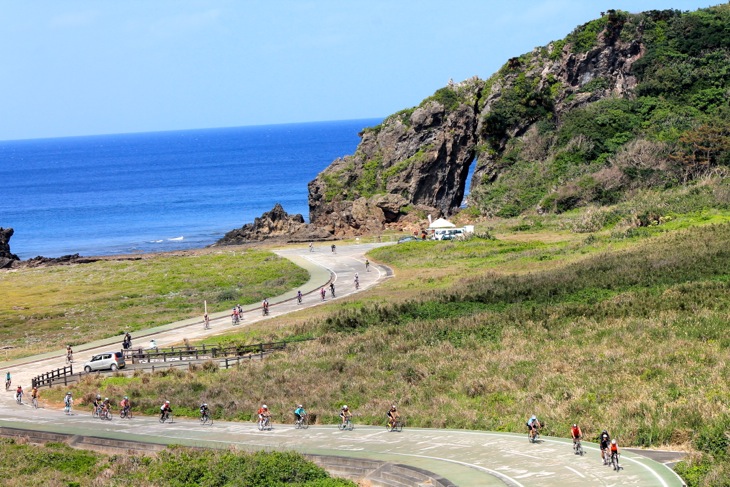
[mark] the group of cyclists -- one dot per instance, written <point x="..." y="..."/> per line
<point x="607" y="445"/>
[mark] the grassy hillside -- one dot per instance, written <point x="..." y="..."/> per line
<point x="45" y="308"/>
<point x="672" y="127"/>
<point x="625" y="332"/>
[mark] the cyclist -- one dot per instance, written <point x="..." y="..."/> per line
<point x="69" y="354"/>
<point x="345" y="414"/>
<point x="614" y="448"/>
<point x="19" y="394"/>
<point x="299" y="297"/>
<point x="206" y="321"/>
<point x="7" y="380"/>
<point x="311" y="247"/>
<point x="204" y="411"/>
<point x="240" y="310"/>
<point x="299" y="413"/>
<point x="153" y="345"/>
<point x="576" y="434"/>
<point x="323" y="293"/>
<point x="367" y="265"/>
<point x="97" y="404"/>
<point x="604" y="443"/>
<point x="265" y="306"/>
<point x="106" y="406"/>
<point x="125" y="405"/>
<point x="127" y="342"/>
<point x="533" y="426"/>
<point x="393" y="416"/>
<point x="264" y="414"/>
<point x="234" y="316"/>
<point x="34" y="393"/>
<point x="68" y="401"/>
<point x="165" y="409"/>
<point x="333" y="248"/>
<point x="332" y="289"/>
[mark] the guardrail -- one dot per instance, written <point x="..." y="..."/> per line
<point x="172" y="357"/>
<point x="58" y="376"/>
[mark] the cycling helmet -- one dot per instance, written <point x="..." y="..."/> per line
<point x="106" y="398"/>
<point x="125" y="397"/>
<point x="344" y="407"/>
<point x="300" y="406"/>
<point x="68" y="393"/>
<point x="575" y="426"/>
<point x="205" y="405"/>
<point x="98" y="396"/>
<point x="167" y="402"/>
<point x="533" y="417"/>
<point x="613" y="442"/>
<point x="393" y="407"/>
<point x="264" y="406"/>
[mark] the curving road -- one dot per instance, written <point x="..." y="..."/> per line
<point x="467" y="458"/>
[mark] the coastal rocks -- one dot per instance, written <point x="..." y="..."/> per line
<point x="7" y="258"/>
<point x="415" y="158"/>
<point x="276" y="224"/>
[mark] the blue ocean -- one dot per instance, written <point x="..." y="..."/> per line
<point x="161" y="191"/>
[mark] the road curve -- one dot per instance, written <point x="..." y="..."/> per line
<point x="467" y="458"/>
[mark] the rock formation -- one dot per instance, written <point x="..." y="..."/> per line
<point x="275" y="224"/>
<point x="416" y="160"/>
<point x="7" y="258"/>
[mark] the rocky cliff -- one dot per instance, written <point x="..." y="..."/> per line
<point x="577" y="121"/>
<point x="276" y="224"/>
<point x="6" y="257"/>
<point x="415" y="161"/>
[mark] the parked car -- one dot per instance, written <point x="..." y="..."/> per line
<point x="409" y="238"/>
<point x="106" y="360"/>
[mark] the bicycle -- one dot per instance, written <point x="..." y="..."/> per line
<point x="105" y="414"/>
<point x="8" y="382"/>
<point x="34" y="402"/>
<point x="265" y="424"/>
<point x="69" y="358"/>
<point x="265" y="311"/>
<point x="347" y="425"/>
<point x="166" y="417"/>
<point x="302" y="423"/>
<point x="533" y="436"/>
<point x="299" y="299"/>
<point x="357" y="285"/>
<point x="206" y="324"/>
<point x="614" y="461"/>
<point x="95" y="411"/>
<point x="67" y="409"/>
<point x="578" y="447"/>
<point x="125" y="413"/>
<point x="19" y="398"/>
<point x="235" y="319"/>
<point x="206" y="419"/>
<point x="396" y="425"/>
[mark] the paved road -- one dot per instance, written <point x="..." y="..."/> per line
<point x="467" y="458"/>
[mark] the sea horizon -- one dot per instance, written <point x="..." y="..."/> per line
<point x="146" y="192"/>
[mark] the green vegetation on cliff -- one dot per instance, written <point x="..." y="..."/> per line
<point x="670" y="129"/>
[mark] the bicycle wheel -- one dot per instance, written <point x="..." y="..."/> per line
<point x="34" y="401"/>
<point x="350" y="426"/>
<point x="399" y="426"/>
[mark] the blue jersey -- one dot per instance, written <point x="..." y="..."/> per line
<point x="300" y="411"/>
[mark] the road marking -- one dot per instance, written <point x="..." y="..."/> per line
<point x="575" y="472"/>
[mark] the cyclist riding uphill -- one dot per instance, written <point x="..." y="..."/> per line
<point x="19" y="393"/>
<point x="165" y="409"/>
<point x="97" y="402"/>
<point x="576" y="433"/>
<point x="604" y="441"/>
<point x="263" y="413"/>
<point x="533" y="426"/>
<point x="393" y="415"/>
<point x="299" y="413"/>
<point x="345" y="414"/>
<point x="125" y="404"/>
<point x="204" y="410"/>
<point x="67" y="403"/>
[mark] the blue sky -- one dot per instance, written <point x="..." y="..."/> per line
<point x="94" y="67"/>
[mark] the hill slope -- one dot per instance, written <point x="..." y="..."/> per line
<point x="624" y="102"/>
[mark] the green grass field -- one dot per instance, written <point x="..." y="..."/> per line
<point x="47" y="308"/>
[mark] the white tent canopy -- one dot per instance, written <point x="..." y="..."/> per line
<point x="441" y="223"/>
